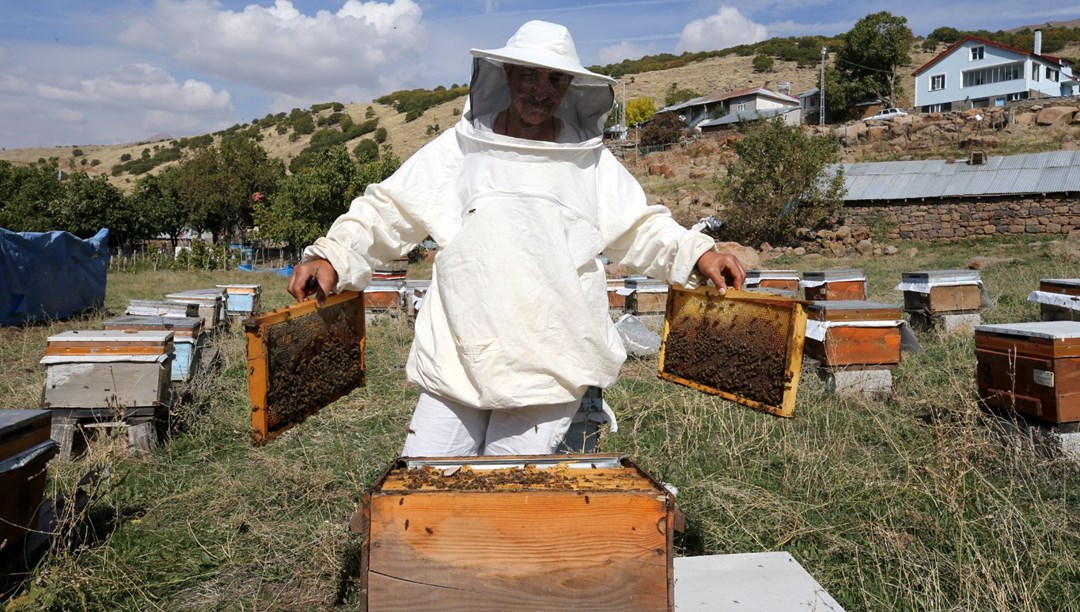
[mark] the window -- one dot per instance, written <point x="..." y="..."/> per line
<point x="993" y="74"/>
<point x="937" y="108"/>
<point x="937" y="82"/>
<point x="1034" y="71"/>
<point x="977" y="53"/>
<point x="740" y="107"/>
<point x="1013" y="97"/>
<point x="1051" y="74"/>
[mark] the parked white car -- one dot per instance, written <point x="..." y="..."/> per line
<point x="885" y="113"/>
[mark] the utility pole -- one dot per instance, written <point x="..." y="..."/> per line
<point x="623" y="130"/>
<point x="821" y="91"/>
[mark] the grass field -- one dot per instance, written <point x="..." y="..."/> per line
<point x="908" y="502"/>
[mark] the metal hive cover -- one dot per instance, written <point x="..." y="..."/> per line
<point x="941" y="276"/>
<point x="746" y="347"/>
<point x="849" y="274"/>
<point x="1054" y="330"/>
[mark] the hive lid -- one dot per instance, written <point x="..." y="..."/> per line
<point x="383" y="286"/>
<point x="112" y="336"/>
<point x="646" y="285"/>
<point x="199" y="295"/>
<point x="939" y="277"/>
<point x="851" y="310"/>
<point x="1050" y="330"/>
<point x="849" y="274"/>
<point x="1063" y="282"/>
<point x="417" y="284"/>
<point x="757" y="275"/>
<point x="16" y="423"/>
<point x="240" y="288"/>
<point x="178" y="325"/>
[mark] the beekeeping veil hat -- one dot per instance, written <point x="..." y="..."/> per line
<point x="544" y="45"/>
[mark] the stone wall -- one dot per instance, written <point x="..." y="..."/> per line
<point x="968" y="217"/>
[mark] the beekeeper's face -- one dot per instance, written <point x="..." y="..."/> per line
<point x="535" y="92"/>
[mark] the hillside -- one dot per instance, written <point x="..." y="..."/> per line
<point x="707" y="76"/>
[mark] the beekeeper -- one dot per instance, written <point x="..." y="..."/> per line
<point x="522" y="198"/>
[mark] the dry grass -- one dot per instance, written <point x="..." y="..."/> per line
<point x="914" y="501"/>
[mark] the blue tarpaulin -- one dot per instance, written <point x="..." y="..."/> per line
<point x="50" y="275"/>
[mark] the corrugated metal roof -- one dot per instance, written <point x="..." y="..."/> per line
<point x="1053" y="172"/>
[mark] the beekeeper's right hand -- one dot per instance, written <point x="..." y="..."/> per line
<point x="313" y="277"/>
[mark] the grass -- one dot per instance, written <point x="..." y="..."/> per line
<point x="908" y="502"/>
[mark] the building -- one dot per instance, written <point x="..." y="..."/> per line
<point x="790" y="114"/>
<point x="976" y="73"/>
<point x="715" y="106"/>
<point x="810" y="105"/>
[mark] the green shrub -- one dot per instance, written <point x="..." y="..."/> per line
<point x="763" y="63"/>
<point x="125" y="157"/>
<point x="76" y="152"/>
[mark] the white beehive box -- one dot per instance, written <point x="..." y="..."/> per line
<point x="107" y="369"/>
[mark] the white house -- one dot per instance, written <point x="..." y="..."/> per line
<point x="810" y="105"/>
<point x="744" y="101"/>
<point x="976" y="73"/>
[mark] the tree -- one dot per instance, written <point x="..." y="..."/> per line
<point x="664" y="128"/>
<point x="366" y="151"/>
<point x="763" y="63"/>
<point x="156" y="201"/>
<point x="28" y="196"/>
<point x="780" y="182"/>
<point x="639" y="110"/>
<point x="675" y="95"/>
<point x="88" y="204"/>
<point x="217" y="184"/>
<point x="873" y="49"/>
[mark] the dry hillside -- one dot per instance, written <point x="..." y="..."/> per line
<point x="708" y="76"/>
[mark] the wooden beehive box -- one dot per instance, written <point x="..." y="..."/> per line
<point x="616" y="294"/>
<point x="1032" y="368"/>
<point x="413" y="296"/>
<point x="211" y="305"/>
<point x="1058" y="298"/>
<point x="242" y="301"/>
<point x="160" y="308"/>
<point x="187" y="338"/>
<point x="108" y="369"/>
<point x="787" y="280"/>
<point x="942" y="291"/>
<point x="301" y="358"/>
<point x="25" y="449"/>
<point x="396" y="270"/>
<point x="746" y="347"/>
<point x="383" y="296"/>
<point x="853" y="333"/>
<point x="848" y="284"/>
<point x="647" y="296"/>
<point x="556" y="532"/>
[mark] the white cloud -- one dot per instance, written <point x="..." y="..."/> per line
<point x="283" y="51"/>
<point x="727" y="28"/>
<point x="141" y="86"/>
<point x="622" y="51"/>
<point x="66" y="115"/>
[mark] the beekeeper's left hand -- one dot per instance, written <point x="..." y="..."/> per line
<point x="722" y="269"/>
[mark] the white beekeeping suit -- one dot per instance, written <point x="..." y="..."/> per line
<point x="517" y="313"/>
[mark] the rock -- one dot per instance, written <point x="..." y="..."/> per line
<point x="800" y="251"/>
<point x="860" y="233"/>
<point x="912" y="252"/>
<point x="877" y="252"/>
<point x="1073" y="236"/>
<point x="697" y="173"/>
<point x="747" y="256"/>
<point x="1025" y="118"/>
<point x="843" y="232"/>
<point x="813" y="256"/>
<point x="825" y="235"/>
<point x="864" y="247"/>
<point x="765" y="247"/>
<point x="1056" y="115"/>
<point x="891" y="250"/>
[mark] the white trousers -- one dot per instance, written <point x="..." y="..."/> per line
<point x="444" y="428"/>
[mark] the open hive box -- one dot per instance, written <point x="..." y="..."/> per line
<point x="301" y="358"/>
<point x="502" y="533"/>
<point x="1032" y="368"/>
<point x="942" y="291"/>
<point x="746" y="347"/>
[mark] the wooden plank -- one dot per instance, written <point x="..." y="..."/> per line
<point x="856" y="346"/>
<point x="119" y="384"/>
<point x="1043" y="387"/>
<point x="838" y="290"/>
<point x="1070" y="288"/>
<point x="947" y="299"/>
<point x="87" y="349"/>
<point x="640" y="302"/>
<point x="554" y="550"/>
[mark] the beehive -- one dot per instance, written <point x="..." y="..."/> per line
<point x="746" y="347"/>
<point x="848" y="284"/>
<point x="498" y="533"/>
<point x="242" y="301"/>
<point x="396" y="270"/>
<point x="187" y="338"/>
<point x="616" y="294"/>
<point x="853" y="333"/>
<point x="414" y="293"/>
<point x="25" y="449"/>
<point x="1058" y="299"/>
<point x="787" y="280"/>
<point x="1032" y="368"/>
<point x="211" y="306"/>
<point x="383" y="296"/>
<point x="301" y="358"/>
<point x="108" y="369"/>
<point x="647" y="296"/>
<point x="939" y="292"/>
<point x="160" y="308"/>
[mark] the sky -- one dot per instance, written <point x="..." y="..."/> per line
<point x="77" y="72"/>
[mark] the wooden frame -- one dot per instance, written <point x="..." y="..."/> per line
<point x="785" y="315"/>
<point x="265" y="358"/>
<point x="583" y="531"/>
